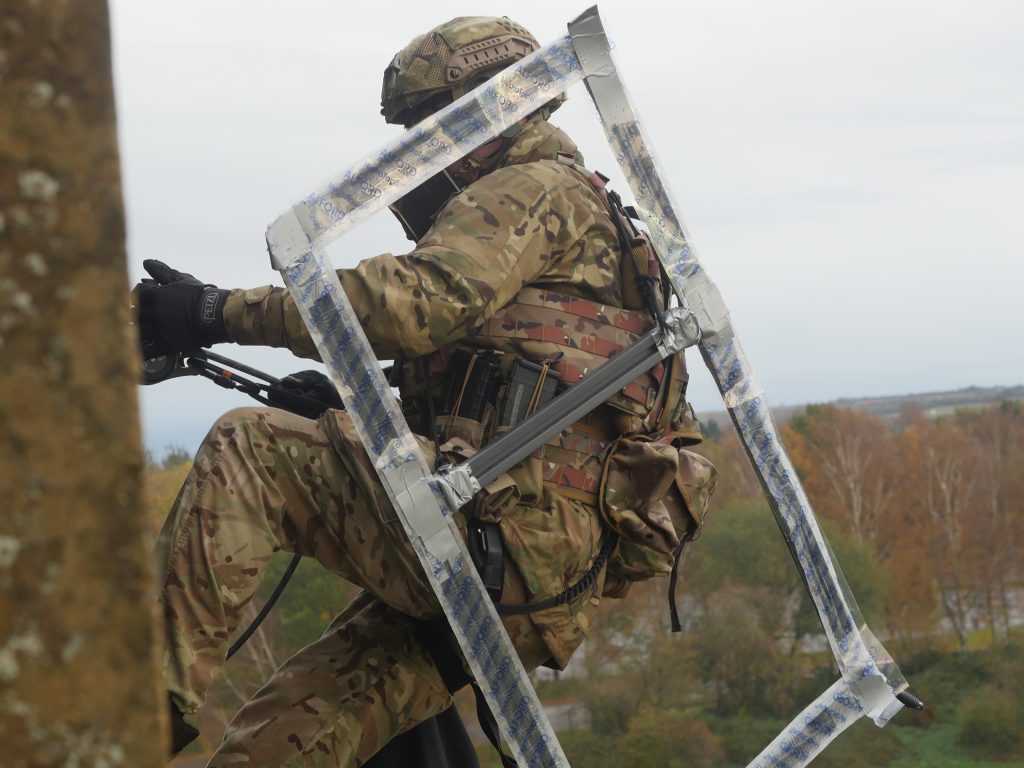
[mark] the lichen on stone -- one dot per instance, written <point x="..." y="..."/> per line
<point x="39" y="95"/>
<point x="9" y="549"/>
<point x="71" y="648"/>
<point x="35" y="264"/>
<point x="27" y="644"/>
<point x="38" y="185"/>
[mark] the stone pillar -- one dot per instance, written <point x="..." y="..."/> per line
<point x="78" y="661"/>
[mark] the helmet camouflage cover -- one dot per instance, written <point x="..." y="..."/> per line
<point x="451" y="59"/>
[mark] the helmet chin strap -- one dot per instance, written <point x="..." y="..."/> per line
<point x="478" y="162"/>
<point x="484" y="158"/>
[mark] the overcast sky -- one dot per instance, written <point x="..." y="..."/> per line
<point x="851" y="174"/>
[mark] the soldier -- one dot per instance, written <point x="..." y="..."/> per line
<point x="516" y="287"/>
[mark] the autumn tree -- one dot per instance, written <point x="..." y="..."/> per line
<point x="848" y="464"/>
<point x="736" y="478"/>
<point x="1000" y="432"/>
<point x="632" y="660"/>
<point x="948" y="472"/>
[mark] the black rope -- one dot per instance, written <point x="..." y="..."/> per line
<point x="267" y="606"/>
<point x="230" y="380"/>
<point x="645" y="283"/>
<point x="577" y="589"/>
<point x="673" y="582"/>
<point x="489" y="725"/>
<point x="424" y="373"/>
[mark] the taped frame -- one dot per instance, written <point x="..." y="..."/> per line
<point x="425" y="507"/>
<point x="869" y="674"/>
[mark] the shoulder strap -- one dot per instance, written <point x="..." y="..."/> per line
<point x="640" y="269"/>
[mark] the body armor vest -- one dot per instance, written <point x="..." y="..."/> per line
<point x="573" y="336"/>
<point x="570" y="337"/>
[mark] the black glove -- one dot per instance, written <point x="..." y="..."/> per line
<point x="177" y="313"/>
<point x="307" y="393"/>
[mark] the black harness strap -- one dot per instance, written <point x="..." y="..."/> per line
<point x="573" y="592"/>
<point x="490" y="728"/>
<point x="436" y="638"/>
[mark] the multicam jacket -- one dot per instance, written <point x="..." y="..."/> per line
<point x="534" y="223"/>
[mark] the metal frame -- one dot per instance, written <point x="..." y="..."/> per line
<point x="871" y="684"/>
<point x="425" y="502"/>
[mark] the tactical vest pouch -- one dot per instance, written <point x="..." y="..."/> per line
<point x="530" y="386"/>
<point x="655" y="497"/>
<point x="471" y="384"/>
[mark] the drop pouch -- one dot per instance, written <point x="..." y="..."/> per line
<point x="655" y="497"/>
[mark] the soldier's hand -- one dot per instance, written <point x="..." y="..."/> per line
<point x="177" y="312"/>
<point x="162" y="274"/>
<point x="307" y="393"/>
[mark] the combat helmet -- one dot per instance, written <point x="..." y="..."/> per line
<point x="448" y="61"/>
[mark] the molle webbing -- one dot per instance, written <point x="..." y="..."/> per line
<point x="578" y="336"/>
<point x="571" y="462"/>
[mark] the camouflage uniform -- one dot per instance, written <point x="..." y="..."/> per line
<point x="266" y="480"/>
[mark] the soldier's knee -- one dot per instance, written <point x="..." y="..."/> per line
<point x="239" y="417"/>
<point x="234" y="427"/>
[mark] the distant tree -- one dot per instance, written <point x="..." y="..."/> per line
<point x="175" y="455"/>
<point x="594" y="748"/>
<point x="1000" y="432"/>
<point x="669" y="738"/>
<point x="741" y="544"/>
<point x="847" y="461"/>
<point x="736" y="478"/>
<point x="744" y="550"/>
<point x="160" y="488"/>
<point x="749" y="594"/>
<point x="736" y="650"/>
<point x="912" y="607"/>
<point x="946" y="501"/>
<point x="633" y="661"/>
<point x="988" y="722"/>
<point x="868" y="579"/>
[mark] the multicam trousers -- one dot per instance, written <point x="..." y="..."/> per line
<point x="265" y="480"/>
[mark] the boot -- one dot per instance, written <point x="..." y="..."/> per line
<point x="182" y="734"/>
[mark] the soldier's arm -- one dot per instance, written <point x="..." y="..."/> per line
<point x="498" y="235"/>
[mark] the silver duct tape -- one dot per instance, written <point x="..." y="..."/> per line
<point x="679" y="331"/>
<point x="458" y="484"/>
<point x="705" y="301"/>
<point x="410" y="488"/>
<point x="857" y="652"/>
<point x="416" y="155"/>
<point x="424" y="511"/>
